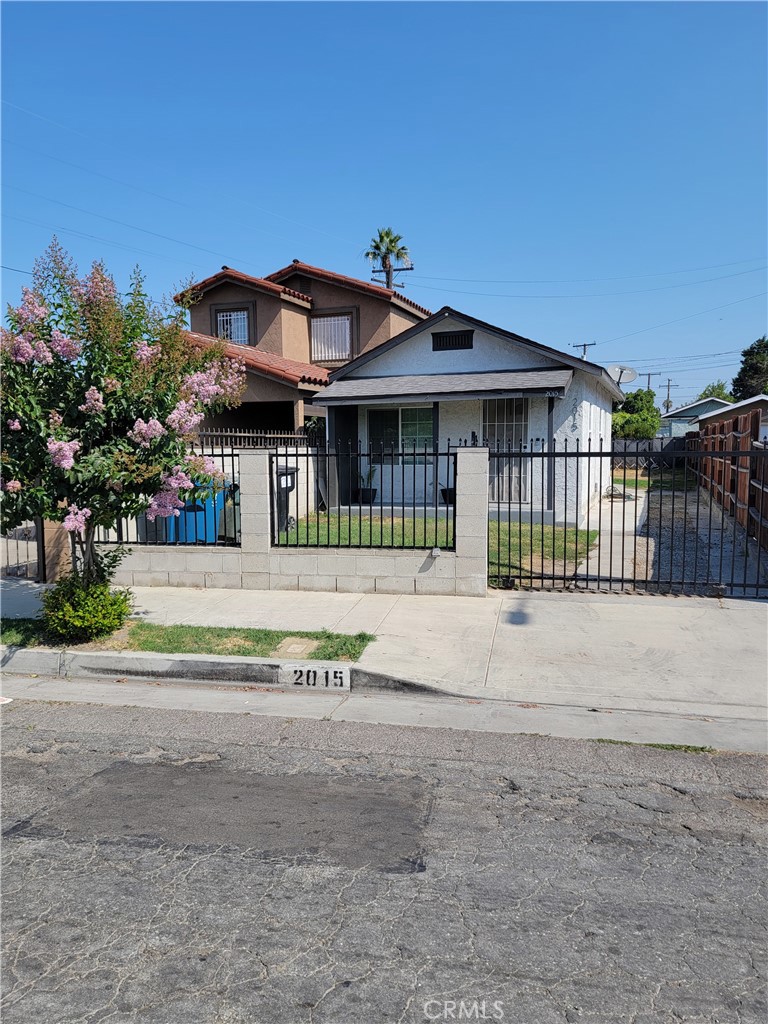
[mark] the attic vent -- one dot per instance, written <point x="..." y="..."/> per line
<point x="446" y="341"/>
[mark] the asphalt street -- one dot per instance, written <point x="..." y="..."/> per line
<point x="180" y="867"/>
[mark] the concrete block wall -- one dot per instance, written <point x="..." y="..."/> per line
<point x="258" y="565"/>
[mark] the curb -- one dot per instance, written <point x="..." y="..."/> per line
<point x="192" y="669"/>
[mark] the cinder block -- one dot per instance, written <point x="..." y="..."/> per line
<point x="150" y="579"/>
<point x="231" y="562"/>
<point x="278" y="582"/>
<point x="471" y="505"/>
<point x="471" y="547"/>
<point x="186" y="579"/>
<point x="374" y="565"/>
<point x="137" y="561"/>
<point x="471" y="567"/>
<point x="255" y="581"/>
<point x="445" y="566"/>
<point x="334" y="563"/>
<point x="472" y="586"/>
<point x="261" y="562"/>
<point x="300" y="563"/>
<point x="325" y="583"/>
<point x="395" y="585"/>
<point x="431" y="585"/>
<point x="123" y="578"/>
<point x="411" y="565"/>
<point x="224" y="580"/>
<point x="200" y="560"/>
<point x="355" y="584"/>
<point x="471" y="526"/>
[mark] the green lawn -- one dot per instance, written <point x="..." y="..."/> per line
<point x="678" y="479"/>
<point x="255" y="643"/>
<point x="513" y="548"/>
<point x="333" y="529"/>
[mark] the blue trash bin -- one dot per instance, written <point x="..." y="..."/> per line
<point x="197" y="522"/>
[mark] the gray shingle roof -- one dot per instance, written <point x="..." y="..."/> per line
<point x="452" y="385"/>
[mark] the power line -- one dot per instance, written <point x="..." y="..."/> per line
<point x="677" y="359"/>
<point x="98" y="238"/>
<point x="16" y="270"/>
<point x="125" y="224"/>
<point x="42" y="118"/>
<point x="582" y="280"/>
<point x="592" y="295"/>
<point x="701" y="312"/>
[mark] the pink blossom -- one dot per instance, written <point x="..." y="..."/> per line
<point x="42" y="353"/>
<point x="32" y="310"/>
<point x="94" y="401"/>
<point x="54" y="419"/>
<point x="13" y="486"/>
<point x="145" y="352"/>
<point x="75" y="520"/>
<point x="20" y="349"/>
<point x="14" y="425"/>
<point x="221" y="378"/>
<point x="111" y="384"/>
<point x="99" y="285"/>
<point x="63" y="453"/>
<point x="163" y="505"/>
<point x="184" y="419"/>
<point x="63" y="346"/>
<point x="167" y="501"/>
<point x="144" y="433"/>
<point x="203" y="467"/>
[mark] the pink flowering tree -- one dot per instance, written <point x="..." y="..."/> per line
<point x="102" y="394"/>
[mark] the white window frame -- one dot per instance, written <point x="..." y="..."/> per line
<point x="223" y="314"/>
<point x="324" y="351"/>
<point x="510" y="480"/>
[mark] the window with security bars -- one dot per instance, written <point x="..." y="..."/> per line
<point x="331" y="338"/>
<point x="416" y="432"/>
<point x="232" y="325"/>
<point x="505" y="429"/>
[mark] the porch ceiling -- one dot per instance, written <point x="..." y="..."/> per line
<point x="447" y="386"/>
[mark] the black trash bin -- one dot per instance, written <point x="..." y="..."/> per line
<point x="286" y="482"/>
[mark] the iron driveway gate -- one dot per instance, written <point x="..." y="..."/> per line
<point x="691" y="521"/>
<point x="23" y="552"/>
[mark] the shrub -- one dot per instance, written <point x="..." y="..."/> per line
<point x="76" y="612"/>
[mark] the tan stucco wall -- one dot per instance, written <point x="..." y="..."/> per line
<point x="295" y="327"/>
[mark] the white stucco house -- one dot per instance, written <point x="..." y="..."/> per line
<point x="452" y="380"/>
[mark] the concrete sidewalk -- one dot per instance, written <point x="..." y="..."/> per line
<point x="669" y="655"/>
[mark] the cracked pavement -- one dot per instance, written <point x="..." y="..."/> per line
<point x="177" y="867"/>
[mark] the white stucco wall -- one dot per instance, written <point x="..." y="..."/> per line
<point x="415" y="356"/>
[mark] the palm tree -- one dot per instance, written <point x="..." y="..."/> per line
<point x="386" y="249"/>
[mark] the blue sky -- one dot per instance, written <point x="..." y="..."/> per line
<point x="572" y="172"/>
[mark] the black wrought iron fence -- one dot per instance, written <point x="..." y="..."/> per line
<point x="379" y="497"/>
<point x="211" y="516"/>
<point x="690" y="522"/>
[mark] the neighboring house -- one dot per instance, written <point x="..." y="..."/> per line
<point x="308" y="317"/>
<point x="724" y="421"/>
<point x="454" y="379"/>
<point x="679" y="422"/>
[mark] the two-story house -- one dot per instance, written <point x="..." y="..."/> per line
<point x="290" y="328"/>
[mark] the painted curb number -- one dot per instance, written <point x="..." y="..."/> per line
<point x="311" y="676"/>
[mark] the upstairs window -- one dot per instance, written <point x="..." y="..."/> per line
<point x="332" y="338"/>
<point x="232" y="326"/>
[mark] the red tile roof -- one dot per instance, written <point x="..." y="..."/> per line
<point x="288" y="370"/>
<point x="260" y="283"/>
<point x="297" y="267"/>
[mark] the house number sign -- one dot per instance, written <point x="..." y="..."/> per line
<point x="309" y="675"/>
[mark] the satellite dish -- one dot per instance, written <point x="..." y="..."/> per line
<point x="622" y="374"/>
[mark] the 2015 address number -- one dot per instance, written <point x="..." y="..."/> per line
<point x="313" y="676"/>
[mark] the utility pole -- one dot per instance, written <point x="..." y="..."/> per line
<point x="668" y="401"/>
<point x="584" y="345"/>
<point x="648" y="377"/>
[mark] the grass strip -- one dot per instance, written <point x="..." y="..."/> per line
<point x="251" y="643"/>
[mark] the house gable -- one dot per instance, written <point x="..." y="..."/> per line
<point x="415" y="351"/>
